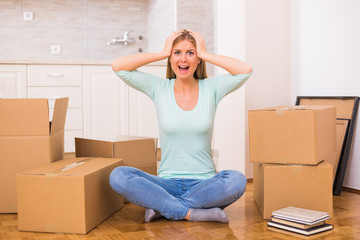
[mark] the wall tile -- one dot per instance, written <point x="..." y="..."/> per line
<point x="98" y="48"/>
<point x="83" y="27"/>
<point x="10" y="13"/>
<point x="55" y="13"/>
<point x="10" y="42"/>
<point x="117" y="14"/>
<point x="37" y="42"/>
<point x="160" y="26"/>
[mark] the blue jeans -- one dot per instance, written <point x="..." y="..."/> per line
<point x="173" y="197"/>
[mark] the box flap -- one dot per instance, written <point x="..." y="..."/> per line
<point x="93" y="148"/>
<point x="24" y="117"/>
<point x="60" y="108"/>
<point x="136" y="152"/>
<point x="72" y="167"/>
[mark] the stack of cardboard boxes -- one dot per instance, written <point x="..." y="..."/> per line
<point x="288" y="146"/>
<point x="27" y="140"/>
<point x="53" y="194"/>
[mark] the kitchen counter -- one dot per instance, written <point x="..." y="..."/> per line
<point x="67" y="62"/>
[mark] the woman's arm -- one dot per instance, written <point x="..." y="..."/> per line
<point x="135" y="61"/>
<point x="232" y="65"/>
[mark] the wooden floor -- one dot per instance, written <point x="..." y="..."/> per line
<point x="245" y="222"/>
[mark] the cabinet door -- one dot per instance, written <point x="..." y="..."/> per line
<point x="106" y="103"/>
<point x="12" y="81"/>
<point x="143" y="118"/>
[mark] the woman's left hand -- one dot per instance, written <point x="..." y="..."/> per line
<point x="200" y="43"/>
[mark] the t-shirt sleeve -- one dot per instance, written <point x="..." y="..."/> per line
<point x="227" y="83"/>
<point x="141" y="81"/>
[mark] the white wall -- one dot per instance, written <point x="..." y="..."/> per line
<point x="326" y="58"/>
<point x="267" y="46"/>
<point x="229" y="135"/>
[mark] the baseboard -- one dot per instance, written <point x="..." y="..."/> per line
<point x="351" y="190"/>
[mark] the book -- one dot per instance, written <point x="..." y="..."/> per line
<point x="296" y="224"/>
<point x="300" y="236"/>
<point x="301" y="215"/>
<point x="307" y="232"/>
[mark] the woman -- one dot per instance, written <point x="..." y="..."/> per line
<point x="187" y="186"/>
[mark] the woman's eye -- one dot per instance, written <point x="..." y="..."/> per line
<point x="176" y="52"/>
<point x="191" y="53"/>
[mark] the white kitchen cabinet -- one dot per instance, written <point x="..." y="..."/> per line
<point x="106" y="103"/>
<point x="112" y="108"/>
<point x="100" y="106"/>
<point x="12" y="81"/>
<point x="56" y="81"/>
<point x="142" y="110"/>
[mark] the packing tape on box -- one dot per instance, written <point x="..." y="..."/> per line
<point x="50" y="228"/>
<point x="281" y="160"/>
<point x="280" y="112"/>
<point x="50" y="178"/>
<point x="70" y="166"/>
<point x="11" y="208"/>
<point x="297" y="169"/>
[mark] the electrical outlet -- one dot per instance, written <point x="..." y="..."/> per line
<point x="28" y="16"/>
<point x="55" y="49"/>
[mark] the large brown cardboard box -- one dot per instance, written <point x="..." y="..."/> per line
<point x="292" y="134"/>
<point x="27" y="140"/>
<point x="68" y="196"/>
<point x="278" y="185"/>
<point x="138" y="152"/>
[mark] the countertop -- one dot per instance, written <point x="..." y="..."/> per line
<point x="67" y="62"/>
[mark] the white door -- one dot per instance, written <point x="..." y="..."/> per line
<point x="106" y="104"/>
<point x="12" y="81"/>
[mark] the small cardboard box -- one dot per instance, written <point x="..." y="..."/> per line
<point x="278" y="185"/>
<point x="138" y="152"/>
<point x="292" y="135"/>
<point x="68" y="196"/>
<point x="27" y="140"/>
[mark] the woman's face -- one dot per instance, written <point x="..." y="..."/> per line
<point x="184" y="59"/>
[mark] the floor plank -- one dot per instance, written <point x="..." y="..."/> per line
<point x="245" y="223"/>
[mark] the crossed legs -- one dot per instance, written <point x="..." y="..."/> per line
<point x="176" y="199"/>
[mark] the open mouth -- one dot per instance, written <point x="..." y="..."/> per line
<point x="183" y="69"/>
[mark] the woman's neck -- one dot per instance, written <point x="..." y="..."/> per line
<point x="186" y="85"/>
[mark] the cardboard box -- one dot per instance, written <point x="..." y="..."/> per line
<point x="278" y="185"/>
<point x="68" y="196"/>
<point x="27" y="140"/>
<point x="292" y="135"/>
<point x="138" y="152"/>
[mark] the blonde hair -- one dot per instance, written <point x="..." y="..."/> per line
<point x="200" y="72"/>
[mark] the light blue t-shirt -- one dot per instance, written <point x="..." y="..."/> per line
<point x="185" y="136"/>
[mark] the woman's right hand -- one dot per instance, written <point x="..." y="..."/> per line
<point x="169" y="42"/>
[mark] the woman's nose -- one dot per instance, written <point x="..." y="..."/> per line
<point x="183" y="57"/>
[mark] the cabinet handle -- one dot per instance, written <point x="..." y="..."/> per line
<point x="55" y="75"/>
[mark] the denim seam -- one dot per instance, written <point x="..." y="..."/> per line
<point x="154" y="180"/>
<point x="185" y="205"/>
<point x="188" y="194"/>
<point x="216" y="178"/>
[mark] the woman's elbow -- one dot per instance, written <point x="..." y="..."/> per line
<point x="248" y="69"/>
<point x="115" y="65"/>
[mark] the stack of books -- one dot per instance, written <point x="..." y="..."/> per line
<point x="299" y="220"/>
